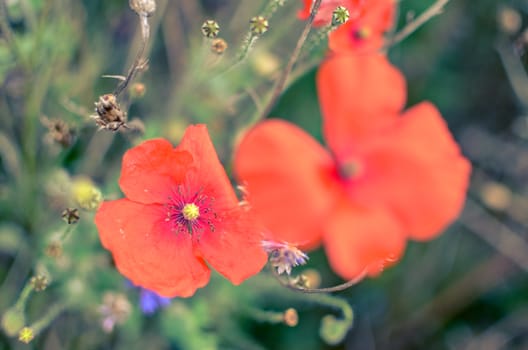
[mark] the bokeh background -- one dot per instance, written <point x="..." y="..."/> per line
<point x="468" y="289"/>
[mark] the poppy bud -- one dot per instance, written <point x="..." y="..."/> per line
<point x="13" y="320"/>
<point x="86" y="194"/>
<point x="291" y="318"/>
<point x="218" y="46"/>
<point x="333" y="330"/>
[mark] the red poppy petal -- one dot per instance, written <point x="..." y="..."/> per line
<point x="418" y="170"/>
<point x="286" y="173"/>
<point x="362" y="241"/>
<point x="207" y="173"/>
<point x="234" y="249"/>
<point x="151" y="169"/>
<point x="146" y="251"/>
<point x="358" y="95"/>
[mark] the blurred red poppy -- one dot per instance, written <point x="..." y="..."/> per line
<point x="180" y="213"/>
<point x="388" y="176"/>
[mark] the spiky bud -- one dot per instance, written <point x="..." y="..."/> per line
<point x="39" y="283"/>
<point x="210" y="29"/>
<point x="70" y="215"/>
<point x="340" y="16"/>
<point x="258" y="25"/>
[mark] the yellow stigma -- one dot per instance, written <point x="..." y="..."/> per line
<point x="190" y="211"/>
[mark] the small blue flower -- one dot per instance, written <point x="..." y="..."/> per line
<point x="150" y="302"/>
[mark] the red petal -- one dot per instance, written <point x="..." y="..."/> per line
<point x="418" y="170"/>
<point x="207" y="172"/>
<point x="358" y="94"/>
<point x="151" y="170"/>
<point x="234" y="249"/>
<point x="287" y="175"/>
<point x="147" y="252"/>
<point x="362" y="241"/>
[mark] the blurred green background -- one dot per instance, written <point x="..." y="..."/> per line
<point x="468" y="289"/>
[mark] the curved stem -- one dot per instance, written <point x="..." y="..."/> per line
<point x="337" y="288"/>
<point x="434" y="10"/>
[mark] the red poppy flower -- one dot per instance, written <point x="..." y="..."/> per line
<point x="366" y="31"/>
<point x="180" y="213"/>
<point x="389" y="175"/>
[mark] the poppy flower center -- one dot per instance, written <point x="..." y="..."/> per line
<point x="350" y="169"/>
<point x="362" y="33"/>
<point x="190" y="212"/>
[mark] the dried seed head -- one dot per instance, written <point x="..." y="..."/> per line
<point x="258" y="25"/>
<point x="39" y="283"/>
<point x="340" y="16"/>
<point x="218" y="46"/>
<point x="109" y="115"/>
<point x="210" y="29"/>
<point x="115" y="309"/>
<point x="70" y="215"/>
<point x="143" y="7"/>
<point x="54" y="249"/>
<point x="58" y="131"/>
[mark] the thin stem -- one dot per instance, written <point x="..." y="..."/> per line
<point x="337" y="288"/>
<point x="279" y="86"/>
<point x="434" y="10"/>
<point x="139" y="62"/>
<point x="51" y="315"/>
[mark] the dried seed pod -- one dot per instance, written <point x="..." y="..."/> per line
<point x="58" y="131"/>
<point x="218" y="46"/>
<point x="143" y="7"/>
<point x="109" y="115"/>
